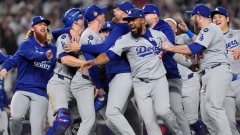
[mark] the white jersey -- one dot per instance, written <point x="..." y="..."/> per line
<point x="212" y="39"/>
<point x="182" y="39"/>
<point x="90" y="37"/>
<point x="142" y="55"/>
<point x="60" y="68"/>
<point x="232" y="38"/>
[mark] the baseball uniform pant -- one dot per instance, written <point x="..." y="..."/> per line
<point x="22" y="101"/>
<point x="82" y="89"/>
<point x="3" y="123"/>
<point x="152" y="97"/>
<point x="190" y="98"/>
<point x="175" y="86"/>
<point x="119" y="90"/>
<point x="235" y="85"/>
<point x="215" y="83"/>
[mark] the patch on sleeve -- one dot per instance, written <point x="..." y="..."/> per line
<point x="206" y="30"/>
<point x="90" y="37"/>
<point x="63" y="36"/>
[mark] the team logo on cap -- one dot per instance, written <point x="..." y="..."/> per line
<point x="95" y="13"/>
<point x="108" y="25"/>
<point x="41" y="18"/>
<point x="216" y="9"/>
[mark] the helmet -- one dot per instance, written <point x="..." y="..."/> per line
<point x="71" y="15"/>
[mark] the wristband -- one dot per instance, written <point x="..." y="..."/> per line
<point x="189" y="33"/>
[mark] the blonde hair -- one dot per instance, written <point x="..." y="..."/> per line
<point x="30" y="33"/>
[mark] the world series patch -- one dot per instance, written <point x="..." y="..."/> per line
<point x="206" y="30"/>
<point x="90" y="37"/>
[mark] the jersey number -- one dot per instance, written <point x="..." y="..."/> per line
<point x="200" y="55"/>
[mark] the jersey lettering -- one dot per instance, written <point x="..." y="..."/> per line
<point x="143" y="51"/>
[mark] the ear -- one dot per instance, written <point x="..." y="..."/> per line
<point x="143" y="21"/>
<point x="155" y="16"/>
<point x="228" y="19"/>
<point x="32" y="29"/>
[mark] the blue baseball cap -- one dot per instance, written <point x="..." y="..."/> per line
<point x="219" y="10"/>
<point x="125" y="6"/>
<point x="134" y="13"/>
<point x="108" y="26"/>
<point x="38" y="19"/>
<point x="93" y="11"/>
<point x="151" y="9"/>
<point x="201" y="9"/>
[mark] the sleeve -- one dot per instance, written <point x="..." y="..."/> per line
<point x="120" y="46"/>
<point x="56" y="33"/>
<point x="93" y="71"/>
<point x="195" y="47"/>
<point x="3" y="57"/>
<point x="11" y="62"/>
<point x="108" y="42"/>
<point x="205" y="36"/>
<point x="28" y="52"/>
<point x="60" y="45"/>
<point x="5" y="97"/>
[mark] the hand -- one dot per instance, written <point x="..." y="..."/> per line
<point x="85" y="66"/>
<point x="235" y="52"/>
<point x="182" y="25"/>
<point x="166" y="46"/>
<point x="194" y="67"/>
<point x="3" y="73"/>
<point x="75" y="36"/>
<point x="72" y="47"/>
<point x="49" y="54"/>
<point x="98" y="91"/>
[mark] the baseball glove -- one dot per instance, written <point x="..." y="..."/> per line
<point x="100" y="101"/>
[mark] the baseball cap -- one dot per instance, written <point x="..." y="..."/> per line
<point x="107" y="26"/>
<point x="219" y="10"/>
<point x="151" y="9"/>
<point x="134" y="13"/>
<point x="38" y="19"/>
<point x="125" y="6"/>
<point x="71" y="15"/>
<point x="93" y="11"/>
<point x="201" y="9"/>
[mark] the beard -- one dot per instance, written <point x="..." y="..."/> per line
<point x="147" y="25"/>
<point x="41" y="37"/>
<point x="137" y="33"/>
<point x="196" y="28"/>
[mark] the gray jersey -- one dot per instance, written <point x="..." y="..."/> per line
<point x="182" y="39"/>
<point x="90" y="37"/>
<point x="60" y="68"/>
<point x="142" y="55"/>
<point x="212" y="39"/>
<point x="232" y="39"/>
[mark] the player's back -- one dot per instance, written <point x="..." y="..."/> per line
<point x="232" y="39"/>
<point x="212" y="39"/>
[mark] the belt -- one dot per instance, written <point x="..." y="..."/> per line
<point x="235" y="77"/>
<point x="187" y="77"/>
<point x="85" y="77"/>
<point x="203" y="72"/>
<point x="145" y="80"/>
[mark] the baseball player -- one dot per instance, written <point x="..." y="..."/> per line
<point x="141" y="46"/>
<point x="118" y="74"/>
<point x="107" y="28"/>
<point x="220" y="17"/>
<point x="35" y="62"/>
<point x="153" y="21"/>
<point x="58" y="87"/>
<point x="190" y="84"/>
<point x="210" y="48"/>
<point x="4" y="101"/>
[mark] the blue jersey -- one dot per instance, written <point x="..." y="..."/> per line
<point x="169" y="63"/>
<point x="34" y="70"/>
<point x="120" y="63"/>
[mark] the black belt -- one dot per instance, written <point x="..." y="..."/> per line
<point x="85" y="77"/>
<point x="204" y="71"/>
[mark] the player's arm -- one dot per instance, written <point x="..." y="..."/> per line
<point x="182" y="25"/>
<point x="93" y="72"/>
<point x="96" y="48"/>
<point x="57" y="32"/>
<point x="3" y="57"/>
<point x="235" y="52"/>
<point x="70" y="60"/>
<point x="27" y="51"/>
<point x="5" y="98"/>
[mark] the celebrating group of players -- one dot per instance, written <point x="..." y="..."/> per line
<point x="100" y="66"/>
